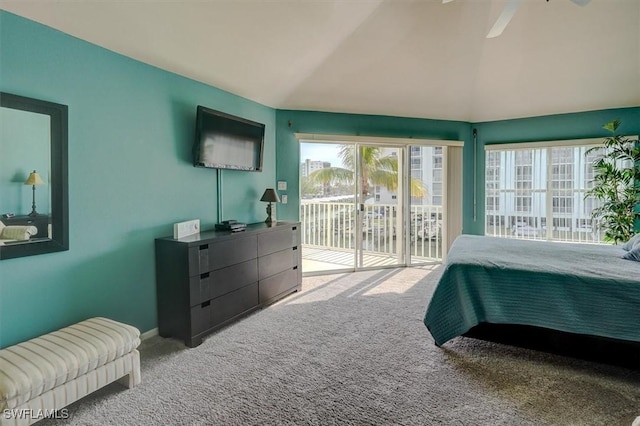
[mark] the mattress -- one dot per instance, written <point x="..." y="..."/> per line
<point x="577" y="288"/>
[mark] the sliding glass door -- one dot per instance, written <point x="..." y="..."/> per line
<point x="426" y="221"/>
<point x="328" y="206"/>
<point x="381" y="206"/>
<point x="351" y="206"/>
<point x="369" y="205"/>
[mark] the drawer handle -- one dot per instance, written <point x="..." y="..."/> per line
<point x="204" y="276"/>
<point x="295" y="248"/>
<point x="294" y="228"/>
<point x="295" y="267"/>
<point x="204" y="247"/>
<point x="205" y="304"/>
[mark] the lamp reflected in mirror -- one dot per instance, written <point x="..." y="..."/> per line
<point x="33" y="180"/>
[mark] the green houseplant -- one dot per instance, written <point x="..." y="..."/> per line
<point x="616" y="184"/>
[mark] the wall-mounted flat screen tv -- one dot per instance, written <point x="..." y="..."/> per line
<point x="224" y="141"/>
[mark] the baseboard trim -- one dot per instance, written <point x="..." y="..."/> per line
<point x="149" y="334"/>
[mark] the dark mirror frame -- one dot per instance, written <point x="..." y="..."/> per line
<point x="59" y="177"/>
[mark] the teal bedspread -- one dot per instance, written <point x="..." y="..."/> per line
<point x="577" y="288"/>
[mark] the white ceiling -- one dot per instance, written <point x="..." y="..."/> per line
<point x="407" y="58"/>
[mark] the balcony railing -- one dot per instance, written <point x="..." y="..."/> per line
<point x="566" y="227"/>
<point x="333" y="226"/>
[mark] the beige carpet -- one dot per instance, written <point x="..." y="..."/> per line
<point x="352" y="349"/>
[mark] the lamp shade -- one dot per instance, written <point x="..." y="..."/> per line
<point x="270" y="195"/>
<point x="34" y="179"/>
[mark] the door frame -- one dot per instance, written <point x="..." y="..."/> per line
<point x="403" y="144"/>
<point x="400" y="210"/>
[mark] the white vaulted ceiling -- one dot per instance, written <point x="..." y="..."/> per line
<point x="390" y="57"/>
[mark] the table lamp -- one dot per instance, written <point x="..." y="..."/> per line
<point x="271" y="196"/>
<point x="33" y="180"/>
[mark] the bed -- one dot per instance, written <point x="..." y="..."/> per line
<point x="584" y="289"/>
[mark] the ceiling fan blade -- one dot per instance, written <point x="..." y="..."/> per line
<point x="449" y="1"/>
<point x="504" y="18"/>
<point x="581" y="2"/>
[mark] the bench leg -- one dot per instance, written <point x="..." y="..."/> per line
<point x="128" y="380"/>
<point x="133" y="378"/>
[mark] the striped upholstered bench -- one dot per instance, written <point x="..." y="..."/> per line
<point x="50" y="372"/>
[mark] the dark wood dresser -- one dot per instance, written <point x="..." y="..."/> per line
<point x="208" y="280"/>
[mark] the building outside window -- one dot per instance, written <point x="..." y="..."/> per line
<point x="523" y="180"/>
<point x="539" y="193"/>
<point x="492" y="183"/>
<point x="562" y="179"/>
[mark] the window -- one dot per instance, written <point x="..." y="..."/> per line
<point x="523" y="181"/>
<point x="523" y="204"/>
<point x="562" y="204"/>
<point x="539" y="193"/>
<point x="562" y="166"/>
<point x="493" y="204"/>
<point x="493" y="195"/>
<point x="588" y="168"/>
<point x="436" y="193"/>
<point x="437" y="157"/>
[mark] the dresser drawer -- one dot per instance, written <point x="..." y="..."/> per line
<point x="278" y="284"/>
<point x="216" y="283"/>
<point x="199" y="260"/>
<point x="235" y="303"/>
<point x="200" y="317"/>
<point x="234" y="277"/>
<point x="274" y="263"/>
<point x="297" y="256"/>
<point x="200" y="288"/>
<point x="230" y="252"/>
<point x="209" y="257"/>
<point x="271" y="242"/>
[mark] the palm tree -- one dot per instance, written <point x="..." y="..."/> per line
<point x="307" y="188"/>
<point x="376" y="169"/>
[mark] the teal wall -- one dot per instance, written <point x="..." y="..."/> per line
<point x="24" y="147"/>
<point x="131" y="128"/>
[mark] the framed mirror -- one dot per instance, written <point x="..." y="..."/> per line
<point x="33" y="177"/>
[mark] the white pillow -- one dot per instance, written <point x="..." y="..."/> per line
<point x="633" y="241"/>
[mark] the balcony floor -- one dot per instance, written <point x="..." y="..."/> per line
<point x="318" y="259"/>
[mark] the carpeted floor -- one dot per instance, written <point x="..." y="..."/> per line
<point x="352" y="349"/>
